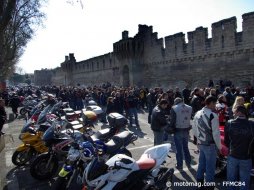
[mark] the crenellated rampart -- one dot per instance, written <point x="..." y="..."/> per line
<point x="148" y="60"/>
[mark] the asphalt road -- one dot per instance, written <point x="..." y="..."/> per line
<point x="13" y="178"/>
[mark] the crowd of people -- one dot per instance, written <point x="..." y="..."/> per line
<point x="170" y="111"/>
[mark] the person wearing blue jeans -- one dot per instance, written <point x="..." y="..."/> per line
<point x="133" y="111"/>
<point x="181" y="139"/>
<point x="241" y="168"/>
<point x="159" y="122"/>
<point x="206" y="130"/>
<point x="180" y="115"/>
<point x="132" y="102"/>
<point x="207" y="162"/>
<point x="239" y="133"/>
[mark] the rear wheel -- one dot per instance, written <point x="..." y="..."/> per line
<point x="20" y="158"/>
<point x="164" y="179"/>
<point x="42" y="170"/>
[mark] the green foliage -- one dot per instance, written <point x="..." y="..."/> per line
<point x="17" y="78"/>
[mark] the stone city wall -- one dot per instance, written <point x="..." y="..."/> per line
<point x="171" y="61"/>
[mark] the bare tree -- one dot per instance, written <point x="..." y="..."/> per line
<point x="19" y="20"/>
<point x="72" y="2"/>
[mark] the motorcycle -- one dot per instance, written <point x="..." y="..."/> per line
<point x="80" y="155"/>
<point x="45" y="165"/>
<point x="31" y="146"/>
<point x="123" y="172"/>
<point x="28" y="106"/>
<point x="31" y="136"/>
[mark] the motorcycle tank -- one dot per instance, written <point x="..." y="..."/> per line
<point x="96" y="169"/>
<point x="54" y="134"/>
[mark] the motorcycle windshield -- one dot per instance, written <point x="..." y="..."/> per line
<point x="26" y="126"/>
<point x="42" y="116"/>
<point x="49" y="134"/>
<point x="56" y="107"/>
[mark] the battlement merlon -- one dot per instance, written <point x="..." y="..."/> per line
<point x="176" y="36"/>
<point x="224" y="22"/>
<point x="144" y="28"/>
<point x="248" y="15"/>
<point x="200" y="32"/>
<point x="72" y="57"/>
<point x="125" y="35"/>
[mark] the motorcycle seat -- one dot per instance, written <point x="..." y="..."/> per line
<point x="145" y="162"/>
<point x="101" y="134"/>
<point x="74" y="123"/>
<point x="77" y="112"/>
<point x="68" y="110"/>
<point x="118" y="141"/>
<point x="70" y="114"/>
<point x="123" y="136"/>
<point x="77" y="127"/>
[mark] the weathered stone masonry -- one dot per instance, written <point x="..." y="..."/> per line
<point x="144" y="60"/>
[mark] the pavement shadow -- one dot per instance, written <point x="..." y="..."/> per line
<point x="20" y="178"/>
<point x="186" y="177"/>
<point x="137" y="131"/>
<point x="142" y="111"/>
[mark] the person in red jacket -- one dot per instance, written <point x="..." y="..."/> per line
<point x="222" y="109"/>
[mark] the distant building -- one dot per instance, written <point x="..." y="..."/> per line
<point x="43" y="77"/>
<point x="171" y="61"/>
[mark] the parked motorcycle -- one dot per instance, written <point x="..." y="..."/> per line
<point x="80" y="155"/>
<point x="123" y="172"/>
<point x="28" y="105"/>
<point x="45" y="165"/>
<point x="31" y="146"/>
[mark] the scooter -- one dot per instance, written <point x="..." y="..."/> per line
<point x="123" y="172"/>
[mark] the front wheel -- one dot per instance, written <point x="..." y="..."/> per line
<point x="61" y="183"/>
<point x="23" y="111"/>
<point x="43" y="168"/>
<point x="20" y="158"/>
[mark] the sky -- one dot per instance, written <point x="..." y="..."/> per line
<point x="90" y="30"/>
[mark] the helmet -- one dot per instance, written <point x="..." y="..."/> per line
<point x="100" y="146"/>
<point x="89" y="116"/>
<point x="88" y="149"/>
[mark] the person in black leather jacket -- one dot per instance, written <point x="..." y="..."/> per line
<point x="3" y="116"/>
<point x="238" y="135"/>
<point x="159" y="121"/>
